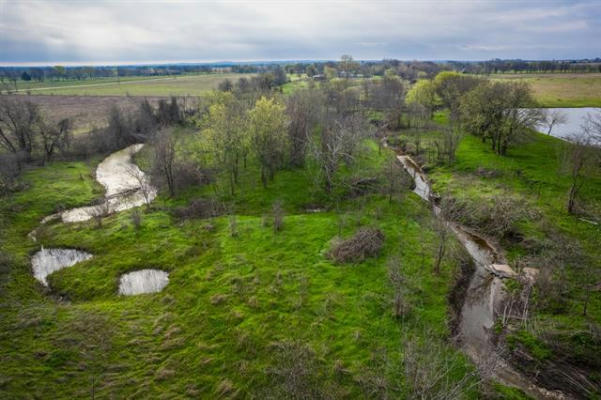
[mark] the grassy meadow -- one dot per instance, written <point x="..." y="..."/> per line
<point x="561" y="90"/>
<point x="247" y="312"/>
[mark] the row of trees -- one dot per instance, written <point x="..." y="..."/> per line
<point x="524" y="66"/>
<point x="500" y="112"/>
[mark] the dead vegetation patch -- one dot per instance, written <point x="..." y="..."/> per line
<point x="367" y="242"/>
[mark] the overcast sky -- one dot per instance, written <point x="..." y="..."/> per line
<point x="137" y="31"/>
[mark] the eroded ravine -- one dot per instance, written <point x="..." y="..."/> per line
<point x="484" y="296"/>
<point x="126" y="186"/>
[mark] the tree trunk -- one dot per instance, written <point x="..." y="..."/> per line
<point x="572" y="197"/>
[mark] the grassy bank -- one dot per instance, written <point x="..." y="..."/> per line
<point x="530" y="188"/>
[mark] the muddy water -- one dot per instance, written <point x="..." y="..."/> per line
<point x="126" y="187"/>
<point x="125" y="184"/>
<point x="422" y="188"/>
<point x="143" y="281"/>
<point x="47" y="261"/>
<point x="485" y="289"/>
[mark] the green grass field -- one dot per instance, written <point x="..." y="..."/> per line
<point x="240" y="314"/>
<point x="561" y="90"/>
<point x="183" y="85"/>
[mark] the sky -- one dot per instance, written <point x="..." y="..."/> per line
<point x="122" y="31"/>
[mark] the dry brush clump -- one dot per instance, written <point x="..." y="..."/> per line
<point x="200" y="208"/>
<point x="294" y="372"/>
<point x="498" y="217"/>
<point x="367" y="242"/>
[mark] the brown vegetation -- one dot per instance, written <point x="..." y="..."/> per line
<point x="367" y="242"/>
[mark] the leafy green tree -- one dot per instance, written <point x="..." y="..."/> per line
<point x="450" y="86"/>
<point x="267" y="123"/>
<point x="502" y="112"/>
<point x="424" y="94"/>
<point x="227" y="134"/>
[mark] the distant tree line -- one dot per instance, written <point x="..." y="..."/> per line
<point x="523" y="66"/>
<point x="346" y="67"/>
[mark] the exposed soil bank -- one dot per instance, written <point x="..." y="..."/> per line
<point x="143" y="281"/>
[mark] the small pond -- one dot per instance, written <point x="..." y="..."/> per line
<point x="143" y="281"/>
<point x="47" y="261"/>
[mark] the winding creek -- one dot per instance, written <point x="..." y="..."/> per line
<point x="126" y="186"/>
<point x="484" y="296"/>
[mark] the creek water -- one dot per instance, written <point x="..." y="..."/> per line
<point x="143" y="281"/>
<point x="126" y="187"/>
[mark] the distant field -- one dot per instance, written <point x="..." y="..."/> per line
<point x="562" y="90"/>
<point x="86" y="112"/>
<point x="192" y="85"/>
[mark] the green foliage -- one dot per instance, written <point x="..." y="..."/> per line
<point x="423" y="93"/>
<point x="267" y="126"/>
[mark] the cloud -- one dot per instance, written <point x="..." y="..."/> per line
<point x="137" y="31"/>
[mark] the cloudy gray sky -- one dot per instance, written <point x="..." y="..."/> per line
<point x="140" y="31"/>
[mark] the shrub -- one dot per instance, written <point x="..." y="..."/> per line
<point x="199" y="208"/>
<point x="136" y="218"/>
<point x="367" y="242"/>
<point x="188" y="174"/>
<point x="278" y="216"/>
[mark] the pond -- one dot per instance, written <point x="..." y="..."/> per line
<point x="575" y="118"/>
<point x="47" y="261"/>
<point x="143" y="281"/>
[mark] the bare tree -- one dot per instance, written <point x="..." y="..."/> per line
<point x="398" y="281"/>
<point x="431" y="367"/>
<point x="9" y="172"/>
<point x="302" y="108"/>
<point x="55" y="137"/>
<point x="395" y="176"/>
<point x="592" y="127"/>
<point x="18" y="125"/>
<point x="339" y="140"/>
<point x="578" y="157"/>
<point x="447" y="212"/>
<point x="278" y="216"/>
<point x="447" y="146"/>
<point x="164" y="158"/>
<point x="555" y="117"/>
<point x="144" y="186"/>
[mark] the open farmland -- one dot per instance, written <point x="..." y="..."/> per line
<point x="562" y="90"/>
<point x="86" y="112"/>
<point x="192" y="85"/>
